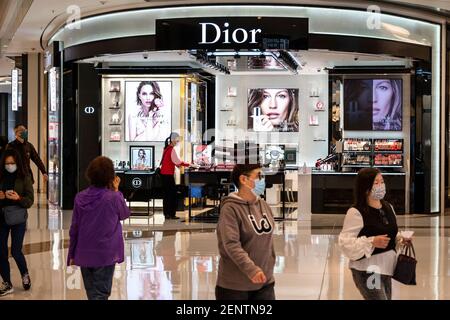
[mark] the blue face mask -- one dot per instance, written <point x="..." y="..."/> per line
<point x="260" y="187"/>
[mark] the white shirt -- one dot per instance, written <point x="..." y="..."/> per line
<point x="354" y="247"/>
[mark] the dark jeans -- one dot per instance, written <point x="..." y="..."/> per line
<point x="170" y="195"/>
<point x="265" y="293"/>
<point x="17" y="236"/>
<point x="368" y="287"/>
<point x="98" y="282"/>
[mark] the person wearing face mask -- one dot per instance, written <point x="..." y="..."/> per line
<point x="370" y="237"/>
<point x="169" y="161"/>
<point x="27" y="151"/>
<point x="245" y="239"/>
<point x="16" y="189"/>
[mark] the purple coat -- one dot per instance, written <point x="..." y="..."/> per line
<point x="96" y="238"/>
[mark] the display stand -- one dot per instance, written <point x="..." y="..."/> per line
<point x="304" y="194"/>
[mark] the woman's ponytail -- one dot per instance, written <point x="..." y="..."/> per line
<point x="167" y="142"/>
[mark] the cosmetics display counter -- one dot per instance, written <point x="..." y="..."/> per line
<point x="332" y="192"/>
<point x="217" y="183"/>
<point x="139" y="186"/>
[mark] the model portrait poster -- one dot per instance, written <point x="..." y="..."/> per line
<point x="148" y="110"/>
<point x="273" y="110"/>
<point x="373" y="104"/>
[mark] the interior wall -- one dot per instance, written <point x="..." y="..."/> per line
<point x="311" y="141"/>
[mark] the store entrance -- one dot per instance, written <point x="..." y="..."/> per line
<point x="296" y="112"/>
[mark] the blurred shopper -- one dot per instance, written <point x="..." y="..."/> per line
<point x="27" y="151"/>
<point x="169" y="161"/>
<point x="370" y="236"/>
<point x="16" y="195"/>
<point x="96" y="240"/>
<point x="245" y="237"/>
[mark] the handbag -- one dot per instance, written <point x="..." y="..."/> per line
<point x="15" y="215"/>
<point x="405" y="270"/>
<point x="157" y="178"/>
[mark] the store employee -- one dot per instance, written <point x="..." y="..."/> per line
<point x="169" y="160"/>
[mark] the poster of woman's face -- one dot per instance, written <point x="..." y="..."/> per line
<point x="273" y="110"/>
<point x="142" y="158"/>
<point x="148" y="110"/>
<point x="373" y="104"/>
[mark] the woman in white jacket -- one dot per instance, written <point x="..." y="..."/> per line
<point x="370" y="237"/>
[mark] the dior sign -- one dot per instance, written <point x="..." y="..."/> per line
<point x="238" y="35"/>
<point x="137" y="183"/>
<point x="234" y="33"/>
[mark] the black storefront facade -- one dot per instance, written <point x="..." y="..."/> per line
<point x="416" y="186"/>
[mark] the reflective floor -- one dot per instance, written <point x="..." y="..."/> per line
<point x="178" y="260"/>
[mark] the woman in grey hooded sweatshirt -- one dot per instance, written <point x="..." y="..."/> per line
<point x="245" y="236"/>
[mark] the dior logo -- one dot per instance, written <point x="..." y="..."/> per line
<point x="137" y="183"/>
<point x="264" y="227"/>
<point x="239" y="35"/>
<point x="89" y="110"/>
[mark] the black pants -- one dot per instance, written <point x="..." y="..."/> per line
<point x="373" y="286"/>
<point x="170" y="195"/>
<point x="265" y="293"/>
<point x="98" y="282"/>
<point x="17" y="236"/>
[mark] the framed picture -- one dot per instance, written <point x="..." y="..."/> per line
<point x="148" y="110"/>
<point x="142" y="157"/>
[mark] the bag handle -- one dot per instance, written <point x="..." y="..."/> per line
<point x="409" y="250"/>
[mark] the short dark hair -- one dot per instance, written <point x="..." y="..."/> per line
<point x="19" y="125"/>
<point x="363" y="185"/>
<point x="100" y="172"/>
<point x="21" y="171"/>
<point x="242" y="169"/>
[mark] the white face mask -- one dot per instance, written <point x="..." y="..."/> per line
<point x="11" y="168"/>
<point x="378" y="192"/>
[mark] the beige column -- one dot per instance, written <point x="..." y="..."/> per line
<point x="37" y="118"/>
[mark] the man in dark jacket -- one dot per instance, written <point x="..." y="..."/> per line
<point x="27" y="151"/>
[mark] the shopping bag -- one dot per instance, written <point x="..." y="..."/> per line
<point x="405" y="270"/>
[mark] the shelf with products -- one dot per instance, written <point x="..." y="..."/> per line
<point x="379" y="153"/>
<point x="352" y="145"/>
<point x="390" y="145"/>
<point x="356" y="160"/>
<point x="388" y="160"/>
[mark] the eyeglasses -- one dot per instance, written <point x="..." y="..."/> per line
<point x="384" y="217"/>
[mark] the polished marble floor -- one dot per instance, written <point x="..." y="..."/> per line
<point x="178" y="260"/>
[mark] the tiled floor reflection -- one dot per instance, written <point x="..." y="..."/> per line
<point x="168" y="260"/>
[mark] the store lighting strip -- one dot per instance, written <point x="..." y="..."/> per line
<point x="284" y="57"/>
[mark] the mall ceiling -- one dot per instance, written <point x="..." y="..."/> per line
<point x="24" y="22"/>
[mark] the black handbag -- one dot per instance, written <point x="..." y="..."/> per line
<point x="405" y="270"/>
<point x="15" y="215"/>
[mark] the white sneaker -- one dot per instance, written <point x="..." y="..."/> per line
<point x="5" y="289"/>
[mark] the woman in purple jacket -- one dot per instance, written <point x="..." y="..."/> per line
<point x="96" y="240"/>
